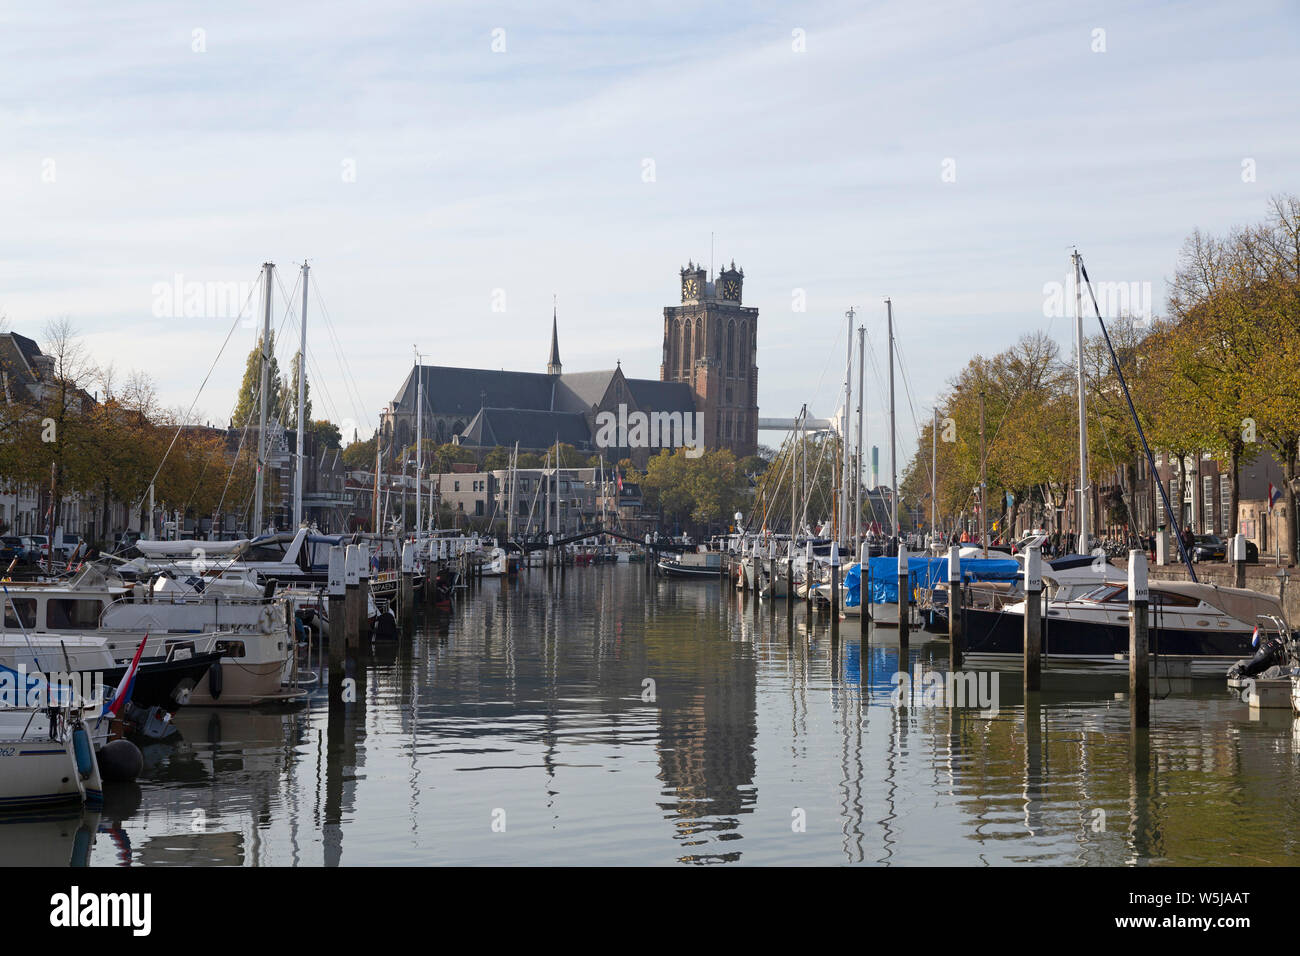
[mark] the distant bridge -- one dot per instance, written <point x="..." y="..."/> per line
<point x="789" y="424"/>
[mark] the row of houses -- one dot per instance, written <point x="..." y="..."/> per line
<point x="1199" y="490"/>
<point x="525" y="501"/>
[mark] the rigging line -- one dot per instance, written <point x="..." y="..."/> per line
<point x="282" y="411"/>
<point x="341" y="355"/>
<point x="1151" y="462"/>
<point x="181" y="425"/>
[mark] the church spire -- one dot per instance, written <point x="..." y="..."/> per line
<point x="553" y="366"/>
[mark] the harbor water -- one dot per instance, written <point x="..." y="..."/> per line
<point x="601" y="717"/>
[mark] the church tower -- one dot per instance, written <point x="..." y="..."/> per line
<point x="553" y="366"/>
<point x="711" y="344"/>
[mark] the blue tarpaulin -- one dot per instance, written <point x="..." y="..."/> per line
<point x="922" y="572"/>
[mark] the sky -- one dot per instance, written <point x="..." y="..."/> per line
<point x="451" y="169"/>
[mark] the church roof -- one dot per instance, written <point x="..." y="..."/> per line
<point x="579" y="391"/>
<point x="554" y="362"/>
<point x="653" y="395"/>
<point x="463" y="391"/>
<point x="531" y="428"/>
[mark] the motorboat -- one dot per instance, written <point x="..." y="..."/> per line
<point x="704" y="566"/>
<point x="1196" y="629"/>
<point x="227" y="623"/>
<point x="47" y="756"/>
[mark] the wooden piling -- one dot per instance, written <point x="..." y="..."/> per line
<point x="790" y="595"/>
<point x="1033" y="658"/>
<point x="352" y="579"/>
<point x="904" y="608"/>
<point x="864" y="591"/>
<point x="956" y="608"/>
<point x="337" y="606"/>
<point x="363" y="596"/>
<point x="406" y="599"/>
<point x="835" y="590"/>
<point x="1139" y="693"/>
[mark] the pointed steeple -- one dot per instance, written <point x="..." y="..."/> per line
<point x="553" y="366"/>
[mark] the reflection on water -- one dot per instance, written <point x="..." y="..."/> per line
<point x="598" y="718"/>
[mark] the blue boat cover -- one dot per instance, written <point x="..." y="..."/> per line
<point x="923" y="572"/>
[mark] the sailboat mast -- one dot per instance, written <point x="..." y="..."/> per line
<point x="893" y="445"/>
<point x="857" y="458"/>
<point x="302" y="399"/>
<point x="846" y="451"/>
<point x="794" y="480"/>
<point x="267" y="269"/>
<point x="1083" y="408"/>
<point x="934" y="478"/>
<point x="984" y="484"/>
<point x="419" y="445"/>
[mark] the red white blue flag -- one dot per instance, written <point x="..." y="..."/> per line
<point x="124" y="689"/>
<point x="1274" y="496"/>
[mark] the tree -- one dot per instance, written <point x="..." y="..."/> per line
<point x="290" y="392"/>
<point x="360" y="454"/>
<point x="326" y="433"/>
<point x="247" y="403"/>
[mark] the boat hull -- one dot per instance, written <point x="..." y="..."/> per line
<point x="996" y="638"/>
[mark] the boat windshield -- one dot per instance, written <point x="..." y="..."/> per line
<point x="1107" y="593"/>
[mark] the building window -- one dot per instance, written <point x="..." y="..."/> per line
<point x="456" y="486"/>
<point x="1225" y="503"/>
<point x="1207" y="500"/>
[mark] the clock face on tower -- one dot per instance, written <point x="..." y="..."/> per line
<point x="690" y="288"/>
<point x="731" y="289"/>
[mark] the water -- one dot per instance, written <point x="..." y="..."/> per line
<point x="529" y="709"/>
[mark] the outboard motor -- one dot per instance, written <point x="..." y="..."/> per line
<point x="1270" y="650"/>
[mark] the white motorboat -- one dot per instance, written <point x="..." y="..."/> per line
<point x="228" y="615"/>
<point x="1199" y="629"/>
<point x="47" y="757"/>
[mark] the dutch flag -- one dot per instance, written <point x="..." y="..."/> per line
<point x="123" y="695"/>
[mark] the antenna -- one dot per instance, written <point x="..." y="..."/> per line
<point x="710" y="256"/>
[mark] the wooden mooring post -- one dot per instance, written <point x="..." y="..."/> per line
<point x="864" y="590"/>
<point x="352" y="580"/>
<point x="904" y="608"/>
<point x="1139" y="675"/>
<point x="1033" y="618"/>
<point x="790" y="594"/>
<point x="1237" y="555"/>
<point x="363" y="595"/>
<point x="835" y="590"/>
<point x="338" y="615"/>
<point x="406" y="599"/>
<point x="956" y="608"/>
<point x="808" y="578"/>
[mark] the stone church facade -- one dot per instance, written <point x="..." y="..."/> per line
<point x="708" y="372"/>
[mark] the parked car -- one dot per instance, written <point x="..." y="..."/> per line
<point x="41" y="545"/>
<point x="64" y="551"/>
<point x="16" y="546"/>
<point x="1209" y="547"/>
<point x="1252" y="552"/>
